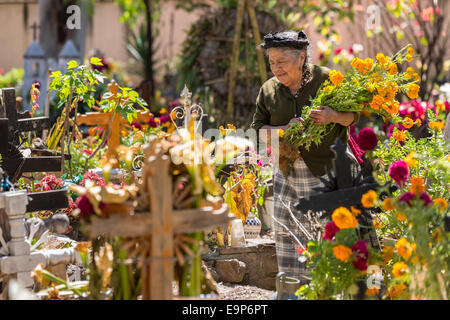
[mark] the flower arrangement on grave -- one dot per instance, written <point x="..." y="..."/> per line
<point x="339" y="260"/>
<point x="370" y="85"/>
<point x="412" y="223"/>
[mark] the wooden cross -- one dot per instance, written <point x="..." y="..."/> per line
<point x="13" y="162"/>
<point x="34" y="26"/>
<point x="162" y="223"/>
<point x="103" y="120"/>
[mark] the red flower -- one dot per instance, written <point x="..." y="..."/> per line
<point x="330" y="231"/>
<point x="49" y="182"/>
<point x="86" y="151"/>
<point x="338" y="50"/>
<point x="152" y="123"/>
<point x="367" y="139"/>
<point x="137" y="125"/>
<point x="94" y="177"/>
<point x="362" y="255"/>
<point x="85" y="206"/>
<point x="399" y="172"/>
<point x="164" y="118"/>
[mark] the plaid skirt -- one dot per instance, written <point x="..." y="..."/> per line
<point x="287" y="191"/>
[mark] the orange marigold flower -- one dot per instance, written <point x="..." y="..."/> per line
<point x="372" y="292"/>
<point x="377" y="224"/>
<point x="387" y="253"/>
<point x="381" y="58"/>
<point x="393" y="69"/>
<point x="413" y="91"/>
<point x="401" y="216"/>
<point x="399" y="135"/>
<point x="440" y="106"/>
<point x="441" y="203"/>
<point x="408" y="123"/>
<point x="387" y="204"/>
<point x="417" y="185"/>
<point x="342" y="252"/>
<point x="399" y="269"/>
<point x="336" y="77"/>
<point x="343" y="218"/>
<point x="411" y="51"/>
<point x="355" y="211"/>
<point x="397" y="290"/>
<point x="404" y="248"/>
<point x="436" y="125"/>
<point x="409" y="57"/>
<point x="368" y="199"/>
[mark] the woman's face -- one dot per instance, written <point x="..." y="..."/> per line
<point x="286" y="66"/>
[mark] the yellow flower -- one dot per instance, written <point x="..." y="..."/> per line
<point x="413" y="91"/>
<point x="441" y="203"/>
<point x="416" y="77"/>
<point x="399" y="269"/>
<point x="436" y="125"/>
<point x="440" y="106"/>
<point x="163" y="111"/>
<point x="336" y="77"/>
<point x="372" y="292"/>
<point x="417" y="185"/>
<point x="418" y="122"/>
<point x="404" y="248"/>
<point x="355" y="211"/>
<point x="222" y="130"/>
<point x="342" y="252"/>
<point x="280" y="133"/>
<point x="399" y="135"/>
<point x="368" y="199"/>
<point x="343" y="218"/>
<point x="231" y="127"/>
<point x="410" y="161"/>
<point x="328" y="88"/>
<point x="38" y="273"/>
<point x="409" y="57"/>
<point x="387" y="204"/>
<point x="411" y="51"/>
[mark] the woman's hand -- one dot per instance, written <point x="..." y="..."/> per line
<point x="323" y="115"/>
<point x="294" y="120"/>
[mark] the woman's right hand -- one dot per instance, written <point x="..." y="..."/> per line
<point x="294" y="120"/>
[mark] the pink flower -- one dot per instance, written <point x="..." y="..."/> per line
<point x="367" y="139"/>
<point x="330" y="231"/>
<point x="2" y="71"/>
<point x="85" y="206"/>
<point x="362" y="255"/>
<point x="259" y="163"/>
<point x="86" y="151"/>
<point x="399" y="172"/>
<point x="353" y="132"/>
<point x="392" y="127"/>
<point x="413" y="109"/>
<point x="350" y="50"/>
<point x="338" y="50"/>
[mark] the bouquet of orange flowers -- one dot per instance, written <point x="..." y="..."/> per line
<point x="369" y="86"/>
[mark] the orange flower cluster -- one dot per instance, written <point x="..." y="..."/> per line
<point x="343" y="218"/>
<point x="399" y="135"/>
<point x="417" y="185"/>
<point x="368" y="199"/>
<point x="436" y="125"/>
<point x="363" y="66"/>
<point x="336" y="77"/>
<point x="342" y="252"/>
<point x="404" y="248"/>
<point x="413" y="91"/>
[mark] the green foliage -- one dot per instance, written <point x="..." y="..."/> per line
<point x="80" y="153"/>
<point x="12" y="78"/>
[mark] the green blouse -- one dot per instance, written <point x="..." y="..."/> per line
<point x="276" y="106"/>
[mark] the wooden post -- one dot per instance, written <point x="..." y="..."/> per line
<point x="257" y="38"/>
<point x="161" y="270"/>
<point x="235" y="58"/>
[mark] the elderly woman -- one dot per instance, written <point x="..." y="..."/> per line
<point x="279" y="103"/>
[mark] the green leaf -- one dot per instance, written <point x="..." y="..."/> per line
<point x="72" y="64"/>
<point x="96" y="61"/>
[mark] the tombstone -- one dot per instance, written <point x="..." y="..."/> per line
<point x="35" y="69"/>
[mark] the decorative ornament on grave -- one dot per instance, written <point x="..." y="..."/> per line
<point x="181" y="115"/>
<point x="35" y="69"/>
<point x="252" y="226"/>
